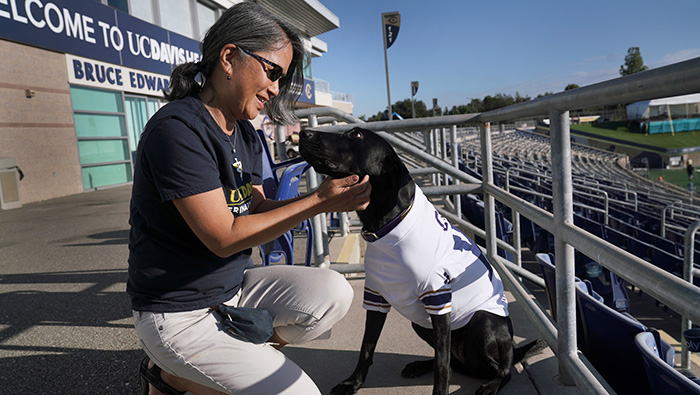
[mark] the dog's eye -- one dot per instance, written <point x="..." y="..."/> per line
<point x="356" y="134"/>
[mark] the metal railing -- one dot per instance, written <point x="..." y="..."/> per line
<point x="676" y="293"/>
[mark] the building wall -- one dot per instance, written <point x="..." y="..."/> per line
<point x="345" y="106"/>
<point x="39" y="132"/>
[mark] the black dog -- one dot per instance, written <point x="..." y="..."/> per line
<point x="479" y="343"/>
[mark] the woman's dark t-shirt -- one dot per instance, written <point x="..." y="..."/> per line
<point x="184" y="152"/>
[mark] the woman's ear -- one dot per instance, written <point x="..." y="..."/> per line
<point x="227" y="58"/>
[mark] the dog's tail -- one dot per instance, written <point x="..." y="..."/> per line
<point x="528" y="350"/>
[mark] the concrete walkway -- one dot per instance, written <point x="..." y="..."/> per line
<point x="65" y="321"/>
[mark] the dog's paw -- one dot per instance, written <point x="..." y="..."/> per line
<point x="417" y="368"/>
<point x="343" y="389"/>
<point x="493" y="386"/>
<point x="487" y="390"/>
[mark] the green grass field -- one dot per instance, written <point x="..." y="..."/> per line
<point x="619" y="130"/>
<point x="664" y="141"/>
<point x="674" y="176"/>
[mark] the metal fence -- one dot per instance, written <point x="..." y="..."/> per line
<point x="679" y="295"/>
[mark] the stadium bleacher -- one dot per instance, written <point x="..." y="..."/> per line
<point x="646" y="218"/>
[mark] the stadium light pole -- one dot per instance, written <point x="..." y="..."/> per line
<point x="390" y="30"/>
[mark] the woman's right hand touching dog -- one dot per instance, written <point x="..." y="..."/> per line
<point x="344" y="194"/>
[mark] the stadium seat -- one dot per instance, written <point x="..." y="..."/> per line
<point x="283" y="246"/>
<point x="610" y="345"/>
<point x="668" y="262"/>
<point x="667" y="245"/>
<point x="270" y="168"/>
<point x="639" y="249"/>
<point x="282" y="187"/>
<point x="546" y="262"/>
<point x="658" y="358"/>
<point x="616" y="238"/>
<point x="621" y="300"/>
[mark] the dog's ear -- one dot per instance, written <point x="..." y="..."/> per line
<point x="394" y="166"/>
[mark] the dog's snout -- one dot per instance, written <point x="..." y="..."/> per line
<point x="306" y="134"/>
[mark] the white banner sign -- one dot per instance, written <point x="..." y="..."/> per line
<point x="89" y="72"/>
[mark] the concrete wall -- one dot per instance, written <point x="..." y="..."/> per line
<point x="343" y="106"/>
<point x="39" y="132"/>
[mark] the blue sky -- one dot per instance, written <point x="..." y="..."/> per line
<point x="463" y="49"/>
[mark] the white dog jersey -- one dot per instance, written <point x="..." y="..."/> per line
<point x="426" y="266"/>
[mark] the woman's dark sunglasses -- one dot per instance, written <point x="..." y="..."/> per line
<point x="274" y="73"/>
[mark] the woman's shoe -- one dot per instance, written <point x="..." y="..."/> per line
<point x="152" y="376"/>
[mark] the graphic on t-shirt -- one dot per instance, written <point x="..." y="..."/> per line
<point x="238" y="165"/>
<point x="239" y="199"/>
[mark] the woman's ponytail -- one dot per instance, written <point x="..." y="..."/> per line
<point x="183" y="81"/>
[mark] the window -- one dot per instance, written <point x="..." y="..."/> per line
<point x="138" y="111"/>
<point x="308" y="73"/>
<point x="206" y="16"/>
<point x="100" y="128"/>
<point x="119" y="4"/>
<point x="142" y="9"/>
<point x="189" y="18"/>
<point x="176" y="16"/>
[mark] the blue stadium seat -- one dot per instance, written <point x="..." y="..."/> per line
<point x="546" y="262"/>
<point x="527" y="232"/>
<point x="270" y="168"/>
<point x="658" y="358"/>
<point x="282" y="187"/>
<point x="667" y="245"/>
<point x="639" y="249"/>
<point x="668" y="262"/>
<point x="595" y="228"/>
<point x="610" y="345"/>
<point x="616" y="238"/>
<point x="621" y="300"/>
<point x="283" y="246"/>
<point x="473" y="210"/>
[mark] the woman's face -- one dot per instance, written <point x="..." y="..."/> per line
<point x="250" y="83"/>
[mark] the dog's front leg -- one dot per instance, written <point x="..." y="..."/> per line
<point x="441" y="339"/>
<point x="373" y="327"/>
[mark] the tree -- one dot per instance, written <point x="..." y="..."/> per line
<point x="571" y="86"/>
<point x="403" y="108"/>
<point x="633" y="62"/>
<point x="377" y="117"/>
<point x="501" y="100"/>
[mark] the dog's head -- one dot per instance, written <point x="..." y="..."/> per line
<point x="356" y="151"/>
<point x="362" y="152"/>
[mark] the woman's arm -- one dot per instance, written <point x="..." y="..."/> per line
<point x="261" y="203"/>
<point x="210" y="219"/>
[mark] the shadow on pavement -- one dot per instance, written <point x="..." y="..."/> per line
<point x="67" y="333"/>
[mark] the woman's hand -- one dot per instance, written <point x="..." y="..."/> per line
<point x="344" y="194"/>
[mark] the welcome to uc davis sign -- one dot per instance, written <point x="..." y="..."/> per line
<point x="95" y="31"/>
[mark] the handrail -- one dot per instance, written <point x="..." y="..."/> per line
<point x="689" y="271"/>
<point x="623" y="190"/>
<point x="605" y="210"/>
<point x="672" y="80"/>
<point x="673" y="207"/>
<point x="684" y="298"/>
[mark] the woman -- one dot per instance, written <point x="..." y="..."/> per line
<point x="198" y="207"/>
